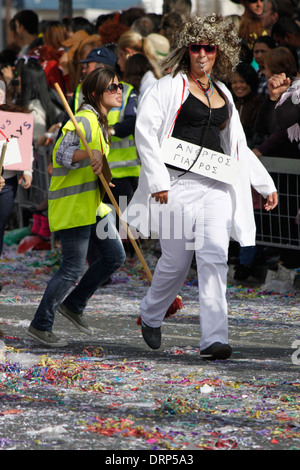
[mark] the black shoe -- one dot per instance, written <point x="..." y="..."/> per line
<point x="242" y="272"/>
<point x="216" y="351"/>
<point x="152" y="336"/>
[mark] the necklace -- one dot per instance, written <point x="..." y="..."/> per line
<point x="209" y="89"/>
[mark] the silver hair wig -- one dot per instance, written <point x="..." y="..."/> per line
<point x="212" y="29"/>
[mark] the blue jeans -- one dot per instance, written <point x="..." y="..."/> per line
<point x="7" y="199"/>
<point x="75" y="242"/>
<point x="247" y="255"/>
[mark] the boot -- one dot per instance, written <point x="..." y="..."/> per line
<point x="44" y="229"/>
<point x="36" y="226"/>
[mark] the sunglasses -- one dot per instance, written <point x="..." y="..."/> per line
<point x="113" y="88"/>
<point x="196" y="48"/>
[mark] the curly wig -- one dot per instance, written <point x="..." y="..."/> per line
<point x="212" y="29"/>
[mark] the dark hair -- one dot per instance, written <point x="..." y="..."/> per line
<point x="34" y="86"/>
<point x="268" y="40"/>
<point x="170" y="24"/>
<point x="103" y="18"/>
<point x="283" y="7"/>
<point x="247" y="72"/>
<point x="135" y="68"/>
<point x="183" y="6"/>
<point x="143" y="25"/>
<point x="14" y="108"/>
<point x="8" y="57"/>
<point x="79" y="23"/>
<point x="128" y="16"/>
<point x="29" y="20"/>
<point x="93" y="87"/>
<point x="285" y="25"/>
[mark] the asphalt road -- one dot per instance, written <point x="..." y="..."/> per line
<point x="110" y="392"/>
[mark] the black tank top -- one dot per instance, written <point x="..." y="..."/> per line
<point x="191" y="123"/>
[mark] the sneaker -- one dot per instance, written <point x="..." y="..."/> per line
<point x="46" y="337"/>
<point x="76" y="319"/>
<point x="152" y="336"/>
<point x="216" y="351"/>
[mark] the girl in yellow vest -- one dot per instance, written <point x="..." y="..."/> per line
<point x="77" y="213"/>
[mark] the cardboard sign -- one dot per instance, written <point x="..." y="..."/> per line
<point x="17" y="126"/>
<point x="12" y="153"/>
<point x="182" y="155"/>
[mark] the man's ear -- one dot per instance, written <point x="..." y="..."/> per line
<point x="275" y="16"/>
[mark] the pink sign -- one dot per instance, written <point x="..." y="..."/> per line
<point x="20" y="126"/>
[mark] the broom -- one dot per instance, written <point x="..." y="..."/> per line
<point x="105" y="178"/>
<point x="3" y="151"/>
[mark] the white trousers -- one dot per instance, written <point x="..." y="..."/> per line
<point x="197" y="219"/>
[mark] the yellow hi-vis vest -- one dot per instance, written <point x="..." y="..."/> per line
<point x="123" y="159"/>
<point x="74" y="194"/>
<point x="78" y="97"/>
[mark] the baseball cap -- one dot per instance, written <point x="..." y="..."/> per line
<point x="102" y="55"/>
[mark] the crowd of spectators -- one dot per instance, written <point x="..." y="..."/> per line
<point x="42" y="53"/>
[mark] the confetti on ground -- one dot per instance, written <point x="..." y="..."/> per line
<point x="111" y="392"/>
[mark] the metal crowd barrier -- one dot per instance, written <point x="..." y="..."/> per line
<point x="281" y="226"/>
<point x="37" y="193"/>
<point x="278" y="228"/>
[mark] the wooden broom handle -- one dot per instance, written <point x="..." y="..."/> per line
<point x="104" y="182"/>
<point x="3" y="150"/>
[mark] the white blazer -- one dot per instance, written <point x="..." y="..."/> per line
<point x="156" y="114"/>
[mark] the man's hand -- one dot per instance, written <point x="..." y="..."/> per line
<point x="7" y="73"/>
<point x="25" y="180"/>
<point x="277" y="85"/>
<point x="2" y="183"/>
<point x="161" y="196"/>
<point x="271" y="202"/>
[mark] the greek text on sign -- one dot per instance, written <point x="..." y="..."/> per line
<point x="212" y="164"/>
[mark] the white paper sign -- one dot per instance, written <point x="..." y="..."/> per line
<point x="20" y="126"/>
<point x="209" y="163"/>
<point x="12" y="154"/>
